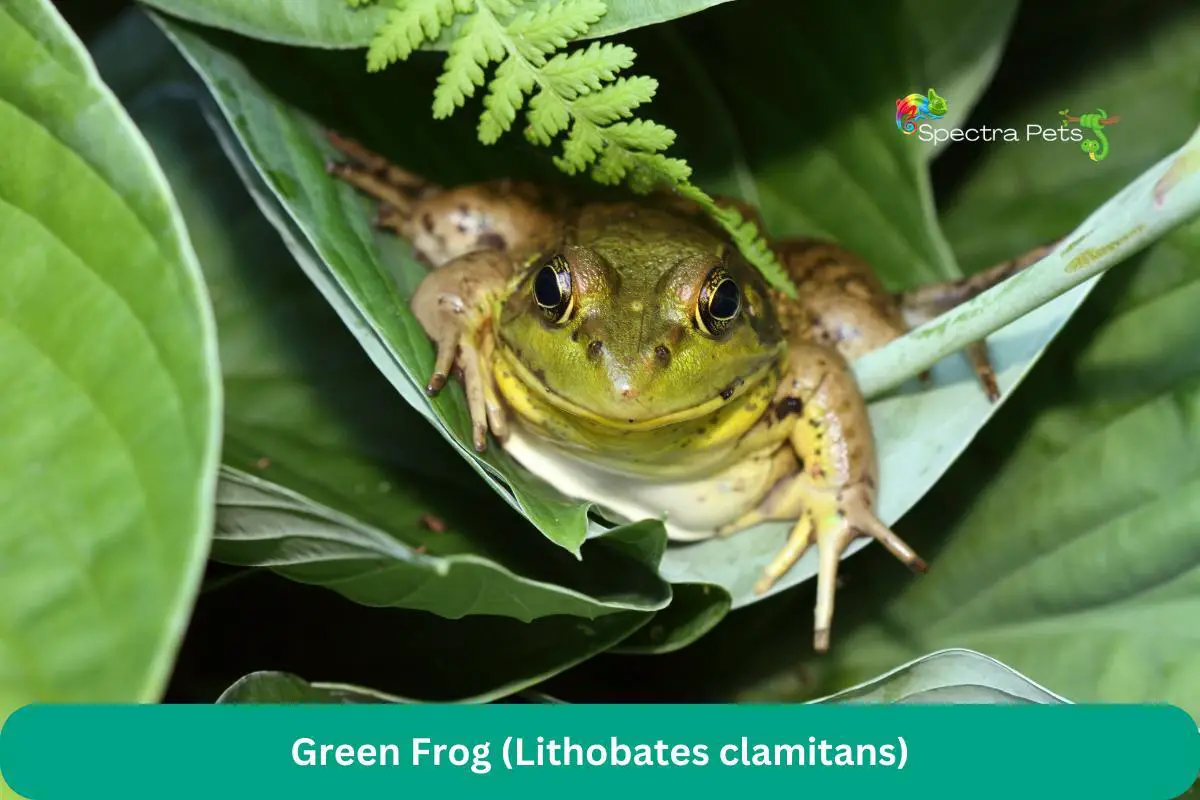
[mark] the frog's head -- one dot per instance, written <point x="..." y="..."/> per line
<point x="642" y="320"/>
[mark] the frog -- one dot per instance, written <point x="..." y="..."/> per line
<point x="625" y="351"/>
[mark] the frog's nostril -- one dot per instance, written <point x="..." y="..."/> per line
<point x="662" y="355"/>
<point x="594" y="348"/>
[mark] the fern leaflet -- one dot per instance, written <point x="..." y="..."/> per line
<point x="578" y="95"/>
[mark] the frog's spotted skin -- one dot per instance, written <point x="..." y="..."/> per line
<point x="627" y="354"/>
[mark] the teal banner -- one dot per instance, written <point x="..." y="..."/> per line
<point x="346" y="751"/>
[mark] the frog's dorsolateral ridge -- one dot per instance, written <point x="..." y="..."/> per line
<point x="626" y="353"/>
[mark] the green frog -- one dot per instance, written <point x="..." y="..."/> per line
<point x="625" y="352"/>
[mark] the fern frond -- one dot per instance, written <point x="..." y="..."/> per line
<point x="581" y="147"/>
<point x="616" y="100"/>
<point x="552" y="25"/>
<point x="474" y="49"/>
<point x="583" y="71"/>
<point x="506" y="95"/>
<point x="578" y="93"/>
<point x="548" y="116"/>
<point x="409" y="26"/>
<point x="641" y="134"/>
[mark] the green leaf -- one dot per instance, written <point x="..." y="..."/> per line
<point x="695" y="609"/>
<point x="947" y="676"/>
<point x="1063" y="542"/>
<point x="407" y="654"/>
<point x="110" y="414"/>
<point x="1078" y="562"/>
<point x="283" y="687"/>
<point x="331" y="24"/>
<point x="307" y="408"/>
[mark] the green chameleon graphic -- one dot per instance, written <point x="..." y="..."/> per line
<point x="1097" y="148"/>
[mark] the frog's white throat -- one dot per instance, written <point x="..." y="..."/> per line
<point x="692" y="509"/>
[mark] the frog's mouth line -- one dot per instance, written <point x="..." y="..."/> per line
<point x="530" y="382"/>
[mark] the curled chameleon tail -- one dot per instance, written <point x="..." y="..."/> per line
<point x="916" y="106"/>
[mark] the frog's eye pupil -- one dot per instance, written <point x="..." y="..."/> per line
<point x="546" y="289"/>
<point x="720" y="303"/>
<point x="726" y="301"/>
<point x="552" y="290"/>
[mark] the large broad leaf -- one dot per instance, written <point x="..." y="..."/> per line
<point x="267" y="95"/>
<point x="332" y="23"/>
<point x="1078" y="561"/>
<point x="109" y="418"/>
<point x="1072" y="552"/>
<point x="948" y="676"/>
<point x="283" y="687"/>
<point x="331" y="478"/>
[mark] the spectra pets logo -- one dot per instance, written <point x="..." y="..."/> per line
<point x="916" y="112"/>
<point x="913" y="107"/>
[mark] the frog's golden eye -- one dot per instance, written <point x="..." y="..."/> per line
<point x="552" y="290"/>
<point x="719" y="304"/>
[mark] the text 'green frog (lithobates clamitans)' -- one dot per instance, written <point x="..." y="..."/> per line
<point x="627" y="354"/>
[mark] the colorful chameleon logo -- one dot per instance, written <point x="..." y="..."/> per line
<point x="918" y="106"/>
<point x="1096" y="148"/>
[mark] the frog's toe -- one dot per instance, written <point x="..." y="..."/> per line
<point x="981" y="365"/>
<point x="832" y="522"/>
<point x="447" y="348"/>
<point x="478" y="400"/>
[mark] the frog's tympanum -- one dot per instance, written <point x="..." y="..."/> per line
<point x="627" y="353"/>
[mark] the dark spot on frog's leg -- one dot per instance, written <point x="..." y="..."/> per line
<point x="662" y="355"/>
<point x="788" y="405"/>
<point x="594" y="348"/>
<point x="491" y="240"/>
<point x="427" y="222"/>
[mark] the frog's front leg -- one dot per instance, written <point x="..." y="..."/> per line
<point x="472" y="236"/>
<point x="453" y="304"/>
<point x="832" y="494"/>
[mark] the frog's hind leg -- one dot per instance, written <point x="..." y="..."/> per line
<point x="842" y="303"/>
<point x="927" y="302"/>
<point x="397" y="189"/>
<point x="832" y="493"/>
<point x="443" y="223"/>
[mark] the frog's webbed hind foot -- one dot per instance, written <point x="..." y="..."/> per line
<point x="927" y="302"/>
<point x="397" y="189"/>
<point x="831" y="520"/>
